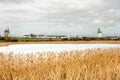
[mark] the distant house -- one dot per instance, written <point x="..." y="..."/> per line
<point x="34" y="36"/>
<point x="27" y="36"/>
<point x="41" y="36"/>
<point x="113" y="37"/>
<point x="56" y="36"/>
<point x="44" y="36"/>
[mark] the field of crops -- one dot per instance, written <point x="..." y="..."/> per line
<point x="95" y="64"/>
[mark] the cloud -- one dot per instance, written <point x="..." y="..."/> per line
<point x="113" y="3"/>
<point x="59" y="15"/>
<point x="13" y="1"/>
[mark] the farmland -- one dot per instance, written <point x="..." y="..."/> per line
<point x="95" y="64"/>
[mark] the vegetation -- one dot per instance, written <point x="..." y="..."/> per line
<point x="20" y="39"/>
<point x="99" y="64"/>
<point x="33" y="39"/>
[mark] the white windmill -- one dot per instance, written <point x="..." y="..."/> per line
<point x="99" y="33"/>
<point x="6" y="32"/>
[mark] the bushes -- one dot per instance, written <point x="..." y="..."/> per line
<point x="89" y="38"/>
<point x="14" y="40"/>
<point x="65" y="39"/>
<point x="74" y="39"/>
<point x="18" y="39"/>
<point x="8" y="39"/>
<point x="1" y="38"/>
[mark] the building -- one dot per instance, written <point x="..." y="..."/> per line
<point x="34" y="36"/>
<point x="99" y="33"/>
<point x="44" y="36"/>
<point x="56" y="36"/>
<point x="27" y="36"/>
<point x="41" y="36"/>
<point x="6" y="32"/>
<point x="113" y="37"/>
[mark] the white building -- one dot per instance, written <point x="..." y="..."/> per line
<point x="56" y="36"/>
<point x="99" y="33"/>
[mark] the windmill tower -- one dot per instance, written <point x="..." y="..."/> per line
<point x="99" y="33"/>
<point x="6" y="32"/>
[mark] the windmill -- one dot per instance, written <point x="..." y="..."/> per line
<point x="6" y="32"/>
<point x="99" y="33"/>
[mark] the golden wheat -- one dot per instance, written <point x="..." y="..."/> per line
<point x="98" y="64"/>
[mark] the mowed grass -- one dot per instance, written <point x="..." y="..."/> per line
<point x="98" y="64"/>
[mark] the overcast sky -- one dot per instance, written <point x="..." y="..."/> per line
<point x="69" y="17"/>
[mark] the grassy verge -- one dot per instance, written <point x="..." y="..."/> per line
<point x="98" y="64"/>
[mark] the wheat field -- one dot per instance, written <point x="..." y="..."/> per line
<point x="98" y="64"/>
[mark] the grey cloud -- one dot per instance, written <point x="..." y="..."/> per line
<point x="113" y="4"/>
<point x="61" y="17"/>
<point x="14" y="1"/>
